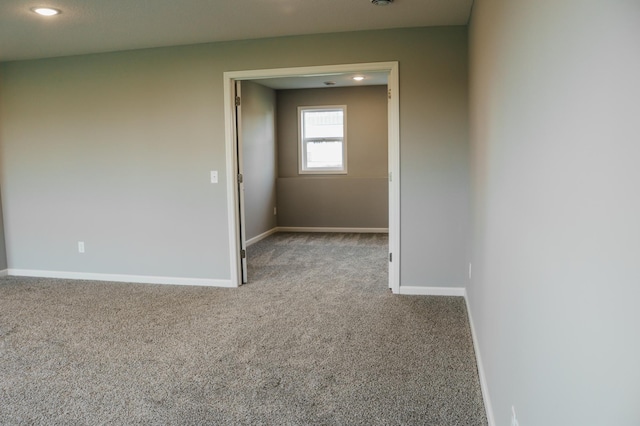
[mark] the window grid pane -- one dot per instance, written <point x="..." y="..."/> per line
<point x="323" y="124"/>
<point x="324" y="154"/>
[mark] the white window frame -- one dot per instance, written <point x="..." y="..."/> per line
<point x="302" y="160"/>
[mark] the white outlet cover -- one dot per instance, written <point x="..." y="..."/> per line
<point x="214" y="176"/>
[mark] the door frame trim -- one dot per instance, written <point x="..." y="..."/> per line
<point x="393" y="112"/>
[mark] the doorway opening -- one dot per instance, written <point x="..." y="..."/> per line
<point x="237" y="226"/>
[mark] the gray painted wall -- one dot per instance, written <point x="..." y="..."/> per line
<point x="259" y="157"/>
<point x="116" y="149"/>
<point x="556" y="281"/>
<point x="336" y="200"/>
<point x="333" y="202"/>
<point x="366" y="127"/>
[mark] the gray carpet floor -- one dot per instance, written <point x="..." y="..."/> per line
<point x="314" y="338"/>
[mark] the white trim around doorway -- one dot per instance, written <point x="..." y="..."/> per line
<point x="393" y="142"/>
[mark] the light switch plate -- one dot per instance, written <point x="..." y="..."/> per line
<point x="214" y="176"/>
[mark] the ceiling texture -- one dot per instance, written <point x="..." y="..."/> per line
<point x="325" y="80"/>
<point x="91" y="26"/>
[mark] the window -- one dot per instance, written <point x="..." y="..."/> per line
<point x="323" y="142"/>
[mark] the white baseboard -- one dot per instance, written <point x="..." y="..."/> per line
<point x="141" y="279"/>
<point x="261" y="236"/>
<point x="4" y="273"/>
<point x="330" y="229"/>
<point x="432" y="291"/>
<point x="483" y="380"/>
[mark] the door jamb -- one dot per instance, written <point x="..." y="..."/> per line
<point x="393" y="84"/>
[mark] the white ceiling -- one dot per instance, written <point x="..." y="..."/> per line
<point x="90" y="26"/>
<point x="317" y="81"/>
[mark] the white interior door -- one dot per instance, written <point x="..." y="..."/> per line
<point x="242" y="224"/>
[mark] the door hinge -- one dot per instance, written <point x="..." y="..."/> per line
<point x="237" y="100"/>
<point x="243" y="254"/>
<point x="389" y="93"/>
<point x="390" y="177"/>
<point x="390" y="257"/>
<point x="240" y="178"/>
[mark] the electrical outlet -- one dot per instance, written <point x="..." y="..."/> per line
<point x="80" y="246"/>
<point x="514" y="418"/>
<point x="214" y="176"/>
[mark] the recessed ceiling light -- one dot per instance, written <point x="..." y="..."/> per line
<point x="46" y="11"/>
<point x="381" y="2"/>
<point x="358" y="78"/>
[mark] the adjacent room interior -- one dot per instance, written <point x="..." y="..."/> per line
<point x="280" y="195"/>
